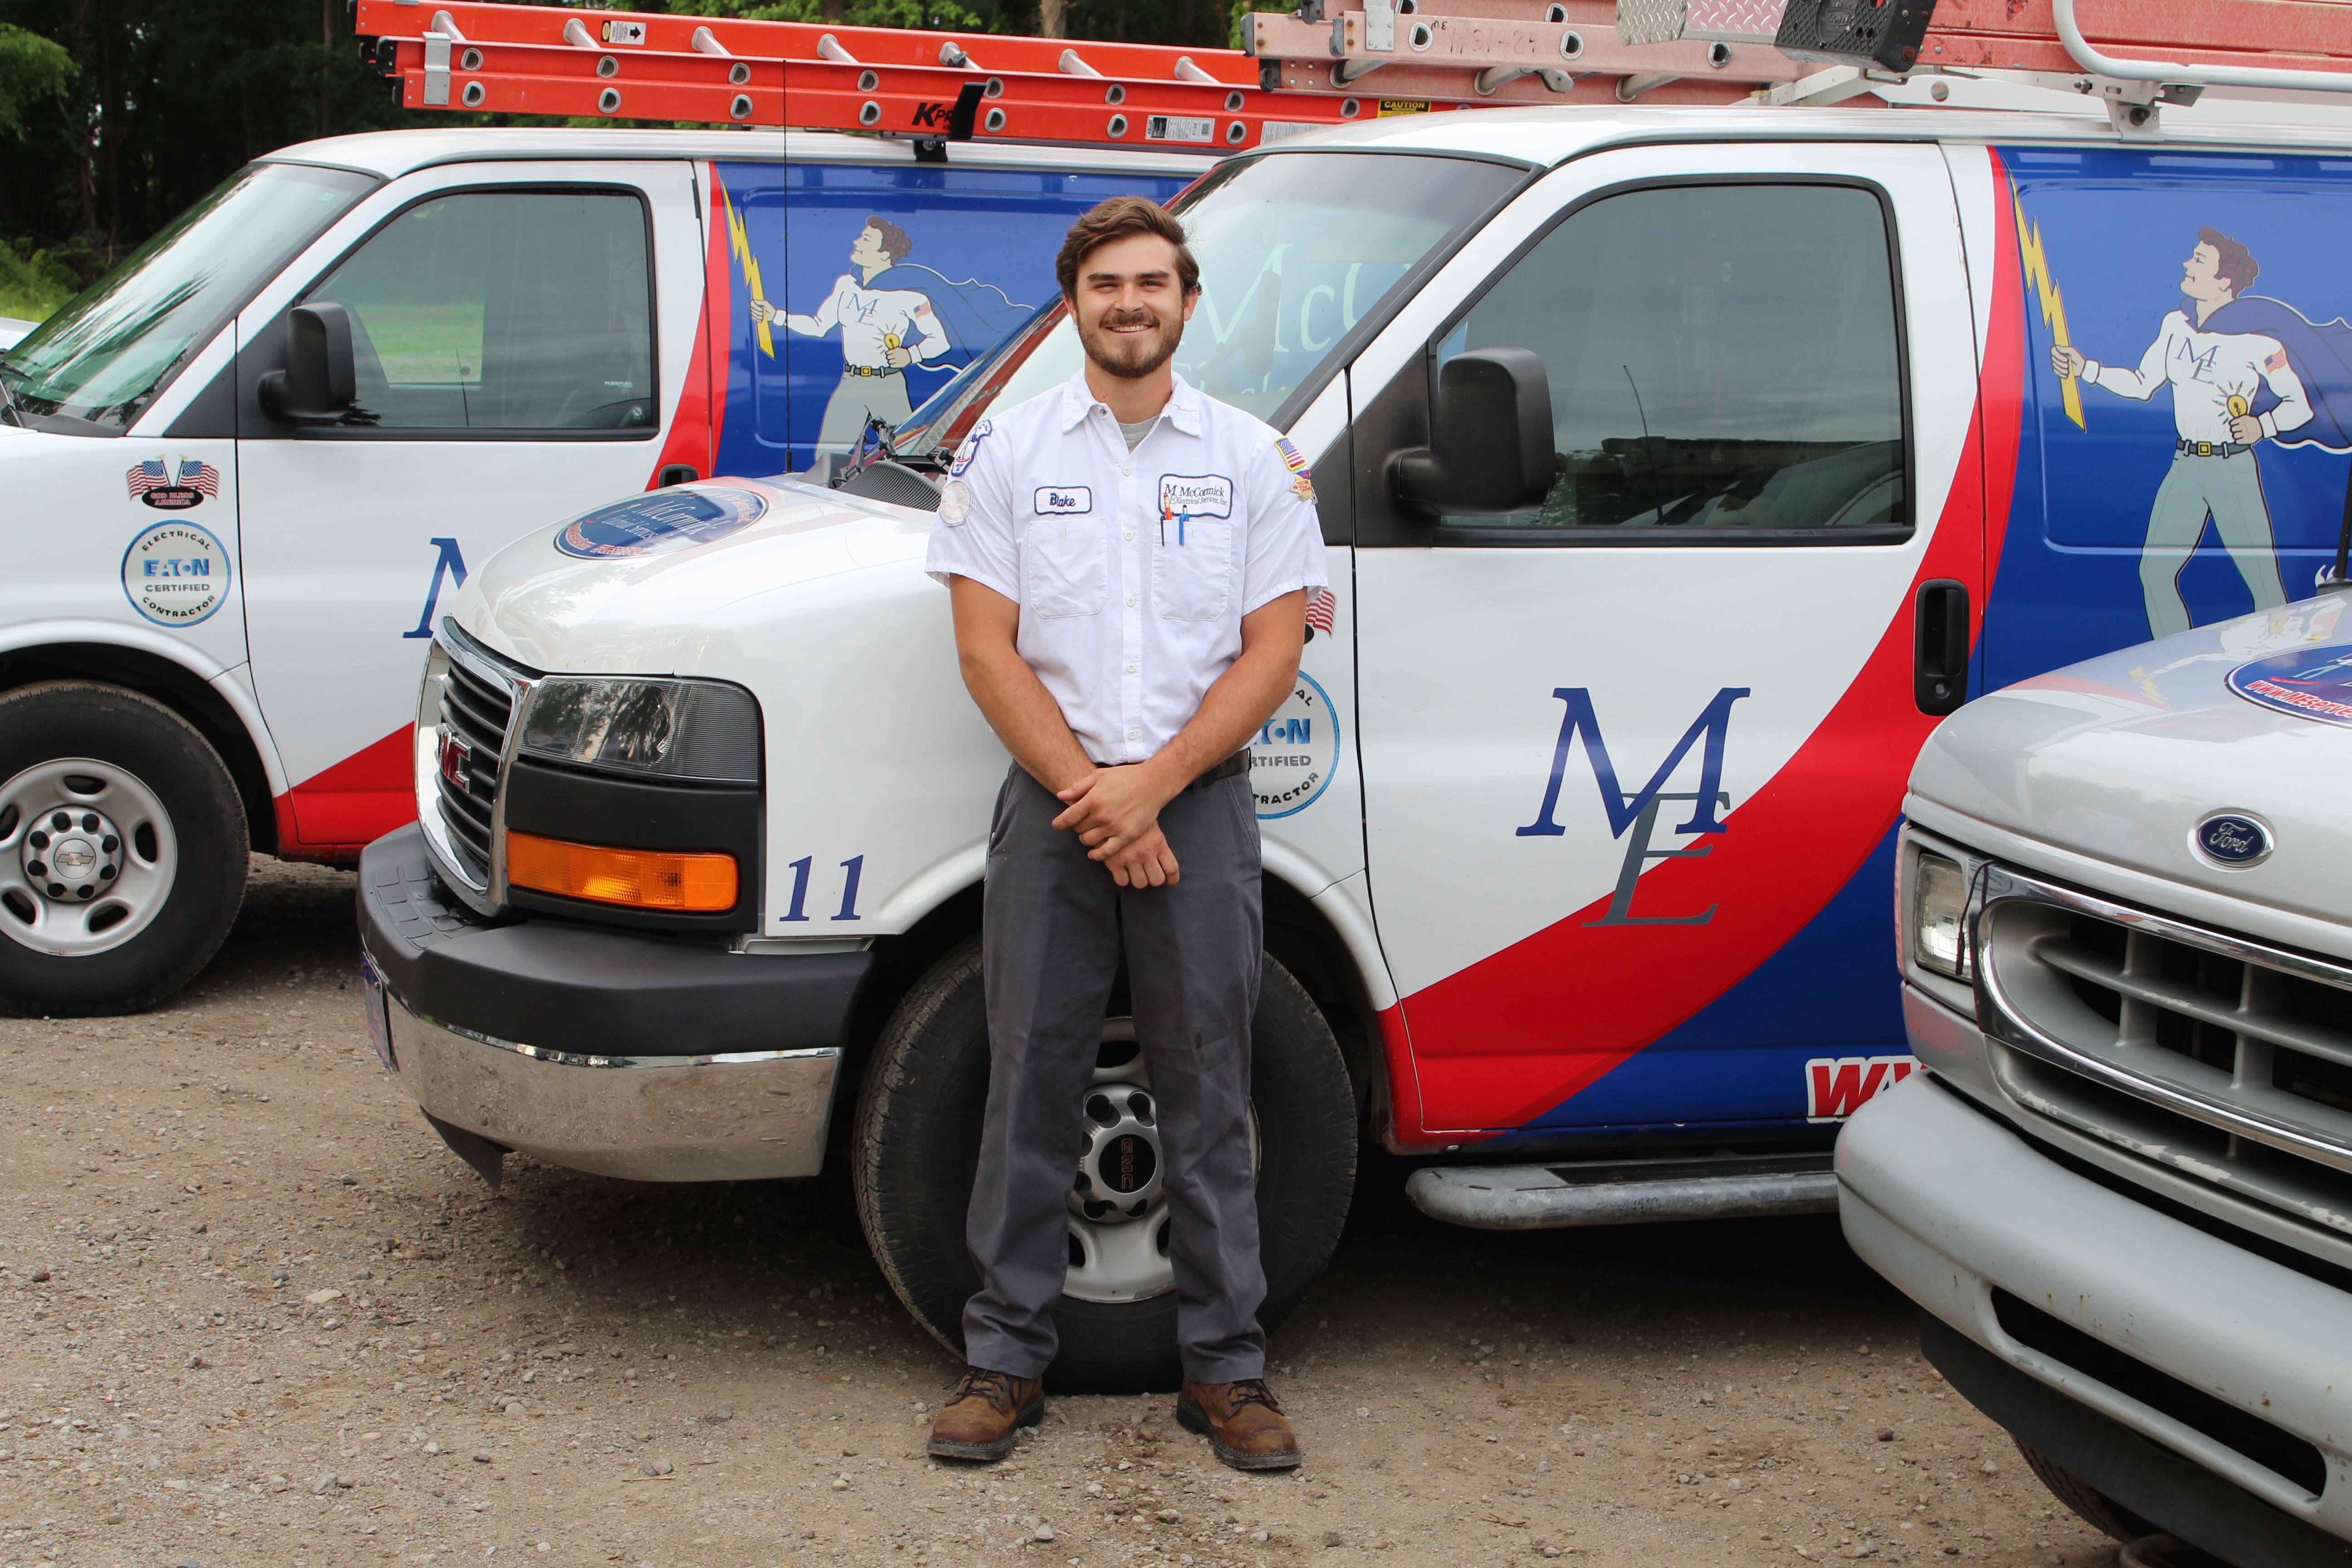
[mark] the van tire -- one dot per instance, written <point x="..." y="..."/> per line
<point x="916" y="1147"/>
<point x="2094" y="1507"/>
<point x="146" y="751"/>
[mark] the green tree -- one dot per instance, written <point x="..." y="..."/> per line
<point x="33" y="70"/>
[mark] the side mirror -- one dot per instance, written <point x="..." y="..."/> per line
<point x="1492" y="451"/>
<point x="320" y="381"/>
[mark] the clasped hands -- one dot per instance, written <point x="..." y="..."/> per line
<point x="1114" y="812"/>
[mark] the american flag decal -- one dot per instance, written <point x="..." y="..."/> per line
<point x="1320" y="605"/>
<point x="189" y="474"/>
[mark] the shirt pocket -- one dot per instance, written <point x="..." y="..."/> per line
<point x="1067" y="567"/>
<point x="1194" y="581"/>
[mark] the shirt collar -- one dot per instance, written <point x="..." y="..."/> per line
<point x="1078" y="400"/>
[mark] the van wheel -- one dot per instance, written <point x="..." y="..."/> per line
<point x="123" y="850"/>
<point x="917" y="1147"/>
<point x="2094" y="1507"/>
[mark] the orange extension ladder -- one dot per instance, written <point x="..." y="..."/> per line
<point x="1330" y="63"/>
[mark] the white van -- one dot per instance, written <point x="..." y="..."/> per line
<point x="246" y="469"/>
<point x="1679" y="468"/>
<point x="2122" y="1190"/>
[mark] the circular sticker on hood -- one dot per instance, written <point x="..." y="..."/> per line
<point x="2314" y="683"/>
<point x="658" y="523"/>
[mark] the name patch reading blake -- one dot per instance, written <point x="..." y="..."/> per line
<point x="1063" y="500"/>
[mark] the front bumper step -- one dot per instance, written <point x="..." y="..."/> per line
<point x="1625" y="1192"/>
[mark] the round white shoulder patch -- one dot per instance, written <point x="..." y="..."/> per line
<point x="955" y="504"/>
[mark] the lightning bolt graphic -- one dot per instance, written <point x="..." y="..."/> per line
<point x="740" y="243"/>
<point x="2053" y="309"/>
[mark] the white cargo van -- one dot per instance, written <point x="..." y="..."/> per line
<point x="244" y="471"/>
<point x="2122" y="1189"/>
<point x="1679" y="468"/>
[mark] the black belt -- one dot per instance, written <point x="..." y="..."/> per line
<point x="1233" y="766"/>
<point x="2209" y="449"/>
<point x="872" y="370"/>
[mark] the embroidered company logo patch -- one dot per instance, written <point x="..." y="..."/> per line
<point x="1195" y="495"/>
<point x="2314" y="683"/>
<point x="1061" y="500"/>
<point x="979" y="432"/>
<point x="1302" y="483"/>
<point x="660" y="523"/>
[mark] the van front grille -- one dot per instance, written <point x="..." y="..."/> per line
<point x="2227" y="1058"/>
<point x="477" y="708"/>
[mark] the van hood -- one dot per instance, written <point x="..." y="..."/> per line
<point x="666" y="582"/>
<point x="2130" y="758"/>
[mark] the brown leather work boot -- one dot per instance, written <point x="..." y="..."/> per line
<point x="1243" y="1422"/>
<point x="985" y="1412"/>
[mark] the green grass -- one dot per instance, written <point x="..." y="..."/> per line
<point x="25" y="292"/>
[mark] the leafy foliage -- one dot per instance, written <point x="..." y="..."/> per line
<point x="32" y="69"/>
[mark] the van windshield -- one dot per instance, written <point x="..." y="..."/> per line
<point x="111" y="349"/>
<point x="1294" y="250"/>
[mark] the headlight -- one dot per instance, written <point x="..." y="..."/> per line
<point x="1939" y="900"/>
<point x="672" y="729"/>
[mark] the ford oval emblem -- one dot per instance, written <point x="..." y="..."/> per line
<point x="2232" y="840"/>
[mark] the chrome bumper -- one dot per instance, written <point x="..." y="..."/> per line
<point x="1953" y="1207"/>
<point x="741" y="1116"/>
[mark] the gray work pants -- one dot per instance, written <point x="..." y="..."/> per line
<point x="1054" y="925"/>
<point x="857" y="399"/>
<point x="2229" y="490"/>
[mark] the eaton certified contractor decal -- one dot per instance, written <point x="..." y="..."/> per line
<point x="2315" y="683"/>
<point x="1296" y="754"/>
<point x="658" y="523"/>
<point x="175" y="574"/>
<point x="173" y="487"/>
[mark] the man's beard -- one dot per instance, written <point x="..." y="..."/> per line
<point x="1132" y="356"/>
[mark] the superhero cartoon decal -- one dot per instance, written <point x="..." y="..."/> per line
<point x="2234" y="386"/>
<point x="815" y="350"/>
<point x="2189" y="426"/>
<point x="892" y="315"/>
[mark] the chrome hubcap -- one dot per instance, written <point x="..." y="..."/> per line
<point x="87" y="857"/>
<point x="1118" y="1209"/>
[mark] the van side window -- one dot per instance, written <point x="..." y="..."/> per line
<point x="504" y="311"/>
<point x="1722" y="362"/>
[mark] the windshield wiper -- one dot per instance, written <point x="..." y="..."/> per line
<point x="8" y="409"/>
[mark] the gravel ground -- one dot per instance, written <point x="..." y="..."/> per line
<point x="252" y="1311"/>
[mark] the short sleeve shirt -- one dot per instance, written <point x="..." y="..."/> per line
<point x="1132" y="569"/>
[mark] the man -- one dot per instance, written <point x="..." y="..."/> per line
<point x="1128" y="563"/>
<point x="883" y="330"/>
<point x="2216" y="376"/>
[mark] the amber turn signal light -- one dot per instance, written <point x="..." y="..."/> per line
<point x="639" y="879"/>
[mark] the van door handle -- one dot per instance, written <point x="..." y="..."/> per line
<point x="1939" y="670"/>
<point x="678" y="474"/>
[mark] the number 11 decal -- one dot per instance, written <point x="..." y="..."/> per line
<point x="797" y="910"/>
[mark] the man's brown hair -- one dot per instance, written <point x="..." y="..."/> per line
<point x="895" y="243"/>
<point x="2237" y="263"/>
<point x="1123" y="217"/>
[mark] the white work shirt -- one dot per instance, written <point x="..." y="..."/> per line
<point x="873" y="320"/>
<point x="2207" y="370"/>
<point x="1133" y="569"/>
